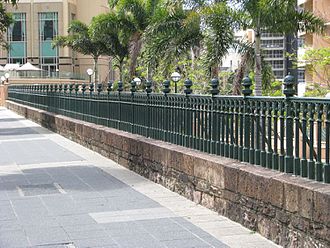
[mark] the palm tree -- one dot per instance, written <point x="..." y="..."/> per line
<point x="136" y="16"/>
<point x="280" y="16"/>
<point x="177" y="31"/>
<point x="218" y="34"/>
<point x="174" y="32"/>
<point x="109" y="30"/>
<point x="82" y="39"/>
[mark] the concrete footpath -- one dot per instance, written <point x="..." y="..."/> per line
<point x="56" y="193"/>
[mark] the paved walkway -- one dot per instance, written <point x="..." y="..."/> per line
<point x="56" y="193"/>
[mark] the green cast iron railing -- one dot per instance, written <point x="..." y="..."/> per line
<point x="288" y="134"/>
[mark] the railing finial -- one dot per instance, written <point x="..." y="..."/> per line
<point x="133" y="86"/>
<point x="120" y="86"/>
<point x="247" y="82"/>
<point x="214" y="85"/>
<point x="148" y="86"/>
<point x="289" y="91"/>
<point x="188" y="83"/>
<point x="166" y="84"/>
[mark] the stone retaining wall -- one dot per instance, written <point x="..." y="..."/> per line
<point x="291" y="211"/>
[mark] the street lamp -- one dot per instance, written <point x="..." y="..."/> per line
<point x="175" y="76"/>
<point x="90" y="73"/>
<point x="137" y="81"/>
<point x="7" y="75"/>
<point x="3" y="79"/>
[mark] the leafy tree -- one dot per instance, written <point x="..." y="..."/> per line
<point x="82" y="39"/>
<point x="316" y="90"/>
<point x="318" y="63"/>
<point x="277" y="16"/>
<point x="5" y="19"/>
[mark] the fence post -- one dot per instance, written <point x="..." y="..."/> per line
<point x="247" y="82"/>
<point x="215" y="143"/>
<point x="166" y="90"/>
<point x="120" y="89"/>
<point x="148" y="90"/>
<point x="288" y="91"/>
<point x="133" y="90"/>
<point x="187" y="83"/>
<point x="326" y="167"/>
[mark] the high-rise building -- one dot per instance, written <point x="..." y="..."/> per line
<point x="307" y="41"/>
<point x="37" y="22"/>
<point x="275" y="49"/>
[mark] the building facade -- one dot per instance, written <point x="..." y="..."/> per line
<point x="37" y="22"/>
<point x="320" y="8"/>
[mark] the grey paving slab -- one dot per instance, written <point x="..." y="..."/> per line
<point x="59" y="194"/>
<point x="10" y="225"/>
<point x="51" y="235"/>
<point x="97" y="242"/>
<point x="13" y="238"/>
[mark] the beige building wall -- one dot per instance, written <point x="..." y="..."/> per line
<point x="68" y="60"/>
<point x="320" y="8"/>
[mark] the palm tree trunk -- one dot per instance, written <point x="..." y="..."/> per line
<point x="95" y="79"/>
<point x="121" y="68"/>
<point x="240" y="74"/>
<point x="215" y="71"/>
<point x="136" y="45"/>
<point x="257" y="77"/>
<point x="192" y="52"/>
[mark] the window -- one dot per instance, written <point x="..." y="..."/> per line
<point x="279" y="74"/>
<point x="278" y="64"/>
<point x="16" y="36"/>
<point x="301" y="42"/>
<point x="273" y="54"/>
<point x="272" y="43"/>
<point x="48" y="25"/>
<point x="301" y="76"/>
<point x="17" y="30"/>
<point x="48" y="30"/>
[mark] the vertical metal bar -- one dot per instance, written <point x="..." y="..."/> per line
<point x="319" y="165"/>
<point x="269" y="154"/>
<point x="282" y="150"/>
<point x="222" y="121"/>
<point x="253" y="134"/>
<point x="231" y="129"/>
<point x="275" y="151"/>
<point x="246" y="130"/>
<point x="257" y="123"/>
<point x="263" y="134"/>
<point x="296" y="168"/>
<point x="303" y="163"/>
<point x="288" y="165"/>
<point x="311" y="162"/>
<point x="326" y="167"/>
<point x="236" y="128"/>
